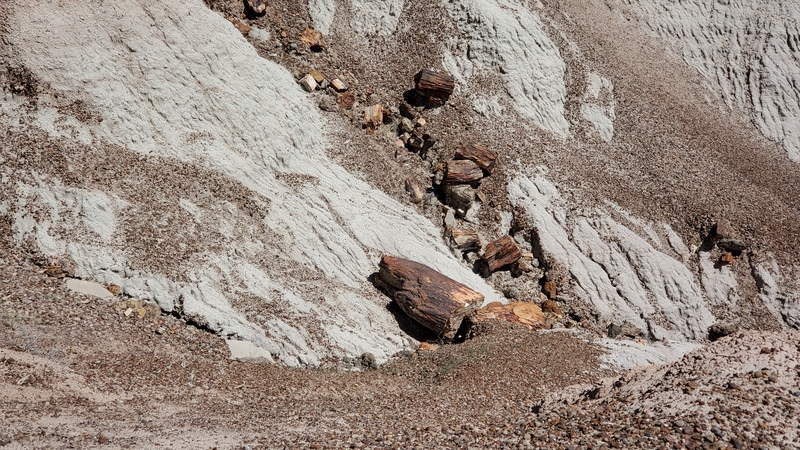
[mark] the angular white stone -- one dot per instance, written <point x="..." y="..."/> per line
<point x="89" y="288"/>
<point x="246" y="351"/>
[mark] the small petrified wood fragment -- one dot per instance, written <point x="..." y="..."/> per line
<point x="466" y="240"/>
<point x="434" y="83"/>
<point x="257" y="7"/>
<point x="462" y="171"/>
<point x="501" y="252"/>
<point x="480" y="155"/>
<point x="434" y="300"/>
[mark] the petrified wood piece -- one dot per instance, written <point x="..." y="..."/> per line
<point x="480" y="155"/>
<point x="434" y="300"/>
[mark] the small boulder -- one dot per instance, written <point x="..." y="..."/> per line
<point x="339" y="85"/>
<point x="257" y="7"/>
<point x="368" y="361"/>
<point x="313" y="39"/>
<point x="549" y="306"/>
<point x="415" y="192"/>
<point x="318" y="76"/>
<point x="308" y="83"/>
<point x="720" y="330"/>
<point x="373" y="116"/>
<point x="346" y="100"/>
<point x="460" y="197"/>
<point x="549" y="289"/>
<point x="726" y="258"/>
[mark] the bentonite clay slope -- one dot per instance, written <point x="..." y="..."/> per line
<point x="748" y="52"/>
<point x="209" y="192"/>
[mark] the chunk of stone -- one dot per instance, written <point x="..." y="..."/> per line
<point x="247" y="351"/>
<point x="726" y="258"/>
<point x="462" y="172"/>
<point x="373" y="116"/>
<point x="313" y="39"/>
<point x="460" y="197"/>
<point x="318" y="76"/>
<point x="241" y="26"/>
<point x="339" y="85"/>
<point x="89" y="288"/>
<point x="308" y="83"/>
<point x="480" y="155"/>
<point x="406" y="126"/>
<point x="501" y="252"/>
<point x="327" y="103"/>
<point x="549" y="289"/>
<point x="257" y="7"/>
<point x="436" y="301"/>
<point x="549" y="306"/>
<point x="415" y="192"/>
<point x="465" y="240"/>
<point x="346" y="100"/>
<point x="435" y="83"/>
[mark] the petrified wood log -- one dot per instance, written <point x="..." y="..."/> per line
<point x="501" y="252"/>
<point x="434" y="83"/>
<point x="462" y="171"/>
<point x="434" y="300"/>
<point x="479" y="154"/>
<point x="523" y="313"/>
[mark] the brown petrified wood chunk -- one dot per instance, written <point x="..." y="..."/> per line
<point x="434" y="83"/>
<point x="434" y="300"/>
<point x="466" y="240"/>
<point x="478" y="154"/>
<point x="257" y="7"/>
<point x="523" y="313"/>
<point x="501" y="252"/>
<point x="462" y="171"/>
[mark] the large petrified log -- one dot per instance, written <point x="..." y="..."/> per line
<point x="479" y="154"/>
<point x="434" y="83"/>
<point x="434" y="300"/>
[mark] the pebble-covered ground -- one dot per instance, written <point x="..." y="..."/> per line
<point x="77" y="372"/>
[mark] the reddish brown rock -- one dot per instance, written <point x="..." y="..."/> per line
<point x="480" y="155"/>
<point x="242" y="27"/>
<point x="426" y="347"/>
<point x="523" y="313"/>
<point x="462" y="171"/>
<point x="339" y="85"/>
<point x="501" y="252"/>
<point x="549" y="289"/>
<point x="313" y="39"/>
<point x="552" y="307"/>
<point x="435" y="84"/>
<point x="346" y="100"/>
<point x="726" y="258"/>
<point x="436" y="301"/>
<point x="373" y="116"/>
<point x="257" y="7"/>
<point x="465" y="240"/>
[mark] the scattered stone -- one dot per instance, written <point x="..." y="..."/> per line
<point x="460" y="197"/>
<point x="426" y="347"/>
<point x="465" y="240"/>
<point x="114" y="289"/>
<point x="407" y="111"/>
<point x="400" y="144"/>
<point x="480" y="155"/>
<point x="449" y="218"/>
<point x="766" y="351"/>
<point x="346" y="100"/>
<point x="549" y="289"/>
<point x="462" y="171"/>
<point x="102" y="439"/>
<point x="128" y="312"/>
<point x="436" y="301"/>
<point x="309" y="83"/>
<point x="89" y="288"/>
<point x="502" y="252"/>
<point x="732" y="245"/>
<point x="733" y="385"/>
<point x="415" y="192"/>
<point x="726" y="238"/>
<point x="328" y="103"/>
<point x="313" y="39"/>
<point x="368" y="361"/>
<point x="613" y="330"/>
<point x="420" y="123"/>
<point x="549" y="306"/>
<point x="373" y="116"/>
<point x="523" y="313"/>
<point x="406" y="126"/>
<point x="241" y="26"/>
<point x="339" y="85"/>
<point x="257" y="7"/>
<point x="726" y="258"/>
<point x="318" y="76"/>
<point x="247" y="351"/>
<point x="520" y="267"/>
<point x="720" y="330"/>
<point x="436" y="84"/>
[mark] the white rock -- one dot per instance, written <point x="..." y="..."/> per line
<point x="89" y="288"/>
<point x="309" y="83"/>
<point x="247" y="351"/>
